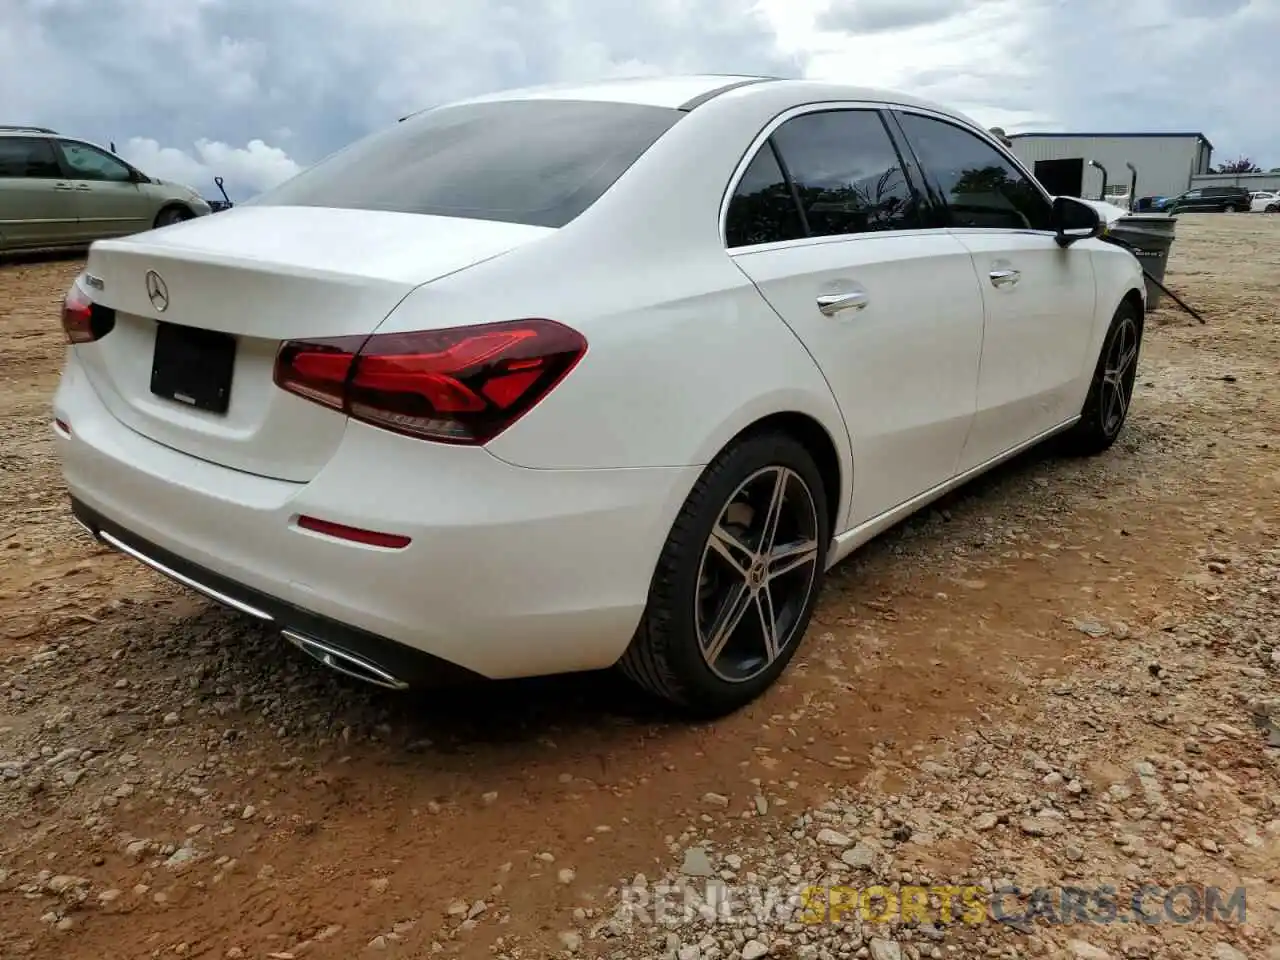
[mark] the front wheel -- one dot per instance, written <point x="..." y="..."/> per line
<point x="1107" y="405"/>
<point x="171" y="215"/>
<point x="1272" y="208"/>
<point x="737" y="579"/>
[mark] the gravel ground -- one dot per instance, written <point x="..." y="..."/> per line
<point x="1063" y="676"/>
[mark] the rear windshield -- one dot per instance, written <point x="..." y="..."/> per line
<point x="535" y="162"/>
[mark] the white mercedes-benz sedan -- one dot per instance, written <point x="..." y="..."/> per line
<point x="559" y="379"/>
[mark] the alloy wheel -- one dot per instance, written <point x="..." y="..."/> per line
<point x="758" y="568"/>
<point x="1118" y="375"/>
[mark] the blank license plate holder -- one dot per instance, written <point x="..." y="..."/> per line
<point x="193" y="367"/>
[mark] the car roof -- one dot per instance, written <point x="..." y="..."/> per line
<point x="686" y="92"/>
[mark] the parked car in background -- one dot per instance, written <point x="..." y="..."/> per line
<point x="60" y="192"/>
<point x="1208" y="200"/>
<point x="560" y="379"/>
<point x="1264" y="201"/>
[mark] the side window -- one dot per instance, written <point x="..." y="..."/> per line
<point x="763" y="209"/>
<point x="90" y="163"/>
<point x="28" y="157"/>
<point x="981" y="187"/>
<point x="847" y="173"/>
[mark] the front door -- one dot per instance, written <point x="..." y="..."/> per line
<point x="889" y="310"/>
<point x="1038" y="297"/>
<point x="37" y="207"/>
<point x="108" y="201"/>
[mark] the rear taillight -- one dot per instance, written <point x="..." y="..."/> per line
<point x="461" y="385"/>
<point x="84" y="321"/>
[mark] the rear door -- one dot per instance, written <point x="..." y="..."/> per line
<point x="107" y="198"/>
<point x="37" y="207"/>
<point x="1193" y="200"/>
<point x="1038" y="297"/>
<point x="828" y="225"/>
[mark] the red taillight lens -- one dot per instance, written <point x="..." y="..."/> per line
<point x="460" y="385"/>
<point x="318" y="369"/>
<point x="84" y="321"/>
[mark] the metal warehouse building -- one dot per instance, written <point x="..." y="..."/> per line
<point x="1068" y="164"/>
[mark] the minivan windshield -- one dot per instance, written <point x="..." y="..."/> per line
<point x="536" y="162"/>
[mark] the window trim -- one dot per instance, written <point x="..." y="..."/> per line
<point x="70" y="173"/>
<point x="985" y="137"/>
<point x="57" y="157"/>
<point x="766" y="135"/>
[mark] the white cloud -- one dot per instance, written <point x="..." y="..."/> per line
<point x="872" y="16"/>
<point x="1095" y="65"/>
<point x="179" y="72"/>
<point x="252" y="168"/>
<point x="246" y="88"/>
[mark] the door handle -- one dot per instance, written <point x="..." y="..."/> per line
<point x="83" y="186"/>
<point x="829" y="304"/>
<point x="63" y="186"/>
<point x="1004" y="278"/>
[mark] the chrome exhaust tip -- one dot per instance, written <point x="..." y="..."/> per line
<point x="345" y="663"/>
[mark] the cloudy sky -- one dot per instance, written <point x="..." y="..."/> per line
<point x="254" y="89"/>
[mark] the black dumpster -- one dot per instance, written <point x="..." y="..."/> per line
<point x="1149" y="235"/>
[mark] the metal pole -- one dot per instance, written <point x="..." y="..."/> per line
<point x="1095" y="163"/>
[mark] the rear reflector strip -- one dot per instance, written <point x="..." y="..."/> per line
<point x="370" y="538"/>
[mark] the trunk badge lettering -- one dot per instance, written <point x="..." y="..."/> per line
<point x="157" y="291"/>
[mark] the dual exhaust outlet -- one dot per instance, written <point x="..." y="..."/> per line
<point x="335" y="658"/>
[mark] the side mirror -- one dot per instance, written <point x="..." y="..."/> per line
<point x="1073" y="219"/>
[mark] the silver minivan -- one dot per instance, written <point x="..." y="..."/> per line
<point x="60" y="192"/>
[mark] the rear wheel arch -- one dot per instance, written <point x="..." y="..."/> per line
<point x="817" y="440"/>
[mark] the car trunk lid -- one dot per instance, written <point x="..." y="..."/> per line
<point x="202" y="308"/>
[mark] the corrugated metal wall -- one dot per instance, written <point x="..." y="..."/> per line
<point x="1165" y="164"/>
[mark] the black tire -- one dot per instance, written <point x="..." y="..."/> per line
<point x="1101" y="420"/>
<point x="1229" y="208"/>
<point x="171" y="215"/>
<point x="666" y="656"/>
<point x="1272" y="208"/>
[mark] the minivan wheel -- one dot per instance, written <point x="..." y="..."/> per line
<point x="171" y="215"/>
<point x="737" y="580"/>
<point x="1111" y="391"/>
<point x="1229" y="208"/>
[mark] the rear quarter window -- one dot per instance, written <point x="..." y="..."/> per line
<point x="28" y="158"/>
<point x="534" y="162"/>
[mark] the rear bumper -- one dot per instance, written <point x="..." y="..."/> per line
<point x="347" y="649"/>
<point x="510" y="571"/>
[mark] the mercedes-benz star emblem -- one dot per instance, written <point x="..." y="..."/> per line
<point x="157" y="291"/>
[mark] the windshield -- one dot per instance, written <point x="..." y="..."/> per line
<point x="535" y="162"/>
